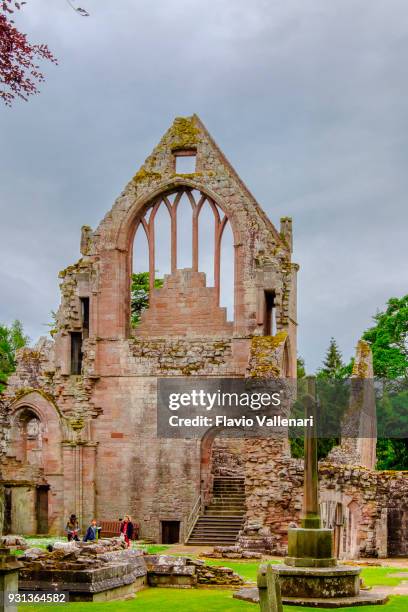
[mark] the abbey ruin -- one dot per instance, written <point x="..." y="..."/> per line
<point x="78" y="418"/>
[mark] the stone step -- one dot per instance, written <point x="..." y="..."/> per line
<point x="221" y="524"/>
<point x="207" y="543"/>
<point x="222" y="507"/>
<point x="216" y="528"/>
<point x="212" y="541"/>
<point x="218" y="478"/>
<point x="223" y="518"/>
<point x="200" y="535"/>
<point x="228" y="494"/>
<point x="227" y="498"/>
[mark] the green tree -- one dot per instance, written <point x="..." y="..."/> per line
<point x="139" y="295"/>
<point x="300" y="368"/>
<point x="333" y="366"/>
<point x="332" y="393"/>
<point x="389" y="339"/>
<point x="389" y="345"/>
<point x="12" y="338"/>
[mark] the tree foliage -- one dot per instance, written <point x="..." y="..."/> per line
<point x="139" y="295"/>
<point x="389" y="340"/>
<point x="389" y="345"/>
<point x="20" y="73"/>
<point x="11" y="339"/>
<point x="333" y="366"/>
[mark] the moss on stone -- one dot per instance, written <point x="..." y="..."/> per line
<point x="360" y="366"/>
<point x="264" y="357"/>
<point x="146" y="175"/>
<point x="183" y="134"/>
<point x="189" y="175"/>
<point x="27" y="390"/>
<point x="77" y="424"/>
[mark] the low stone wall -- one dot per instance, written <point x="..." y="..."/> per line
<point x="106" y="570"/>
<point x="89" y="572"/>
<point x="371" y="506"/>
<point x="169" y="571"/>
<point x="231" y="552"/>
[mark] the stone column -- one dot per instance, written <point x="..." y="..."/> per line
<point x="89" y="510"/>
<point x="311" y="510"/>
<point x="310" y="546"/>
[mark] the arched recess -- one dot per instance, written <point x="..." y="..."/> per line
<point x="33" y="474"/>
<point x="39" y="419"/>
<point x="334" y="509"/>
<point x="174" y="201"/>
<point x="287" y="367"/>
<point x="27" y="433"/>
<point x="352" y="530"/>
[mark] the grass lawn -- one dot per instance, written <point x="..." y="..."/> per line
<point x="246" y="569"/>
<point x="380" y="575"/>
<point x="185" y="600"/>
<point x="214" y="600"/>
<point x="371" y="575"/>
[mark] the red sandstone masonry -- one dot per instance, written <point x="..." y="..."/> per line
<point x="93" y="471"/>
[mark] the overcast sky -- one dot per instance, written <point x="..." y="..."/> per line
<point x="308" y="99"/>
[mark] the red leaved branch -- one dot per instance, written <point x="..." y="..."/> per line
<point x="20" y="74"/>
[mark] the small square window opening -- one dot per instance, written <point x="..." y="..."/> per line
<point x="185" y="162"/>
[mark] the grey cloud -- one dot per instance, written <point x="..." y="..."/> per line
<point x="306" y="98"/>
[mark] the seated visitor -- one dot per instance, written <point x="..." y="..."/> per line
<point x="92" y="533"/>
<point x="72" y="528"/>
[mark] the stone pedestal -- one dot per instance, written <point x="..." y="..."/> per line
<point x="310" y="548"/>
<point x="318" y="582"/>
<point x="9" y="567"/>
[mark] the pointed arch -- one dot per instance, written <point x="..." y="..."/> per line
<point x="171" y="199"/>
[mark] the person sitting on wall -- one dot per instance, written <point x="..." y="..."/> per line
<point x="72" y="528"/>
<point x="126" y="529"/>
<point x="92" y="533"/>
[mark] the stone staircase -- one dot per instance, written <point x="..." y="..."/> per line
<point x="223" y="518"/>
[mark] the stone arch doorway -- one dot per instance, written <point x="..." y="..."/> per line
<point x="221" y="456"/>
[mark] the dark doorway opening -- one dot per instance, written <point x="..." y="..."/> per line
<point x="76" y="352"/>
<point x="85" y="316"/>
<point x="170" y="532"/>
<point x="42" y="509"/>
<point x="269" y="316"/>
<point x="7" y="511"/>
<point x="397" y="524"/>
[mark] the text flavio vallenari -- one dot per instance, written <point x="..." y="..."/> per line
<point x="243" y="421"/>
<point x="211" y="401"/>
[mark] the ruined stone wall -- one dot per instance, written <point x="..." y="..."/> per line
<point x="189" y="304"/>
<point x="103" y="417"/>
<point x="369" y="500"/>
<point x="228" y="456"/>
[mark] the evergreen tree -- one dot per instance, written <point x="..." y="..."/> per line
<point x="333" y="366"/>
